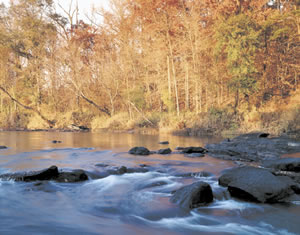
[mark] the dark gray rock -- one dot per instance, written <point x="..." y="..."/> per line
<point x="47" y="174"/>
<point x="193" y="150"/>
<point x="56" y="141"/>
<point x="295" y="176"/>
<point x="139" y="151"/>
<point x="256" y="184"/>
<point x="72" y="177"/>
<point x="164" y="151"/>
<point x="113" y="170"/>
<point x="101" y="165"/>
<point x="164" y="142"/>
<point x="3" y="147"/>
<point x="253" y="147"/>
<point x="263" y="135"/>
<point x="136" y="170"/>
<point x="192" y="196"/>
<point x="50" y="173"/>
<point x="284" y="164"/>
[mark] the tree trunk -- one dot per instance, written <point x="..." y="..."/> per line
<point x="51" y="123"/>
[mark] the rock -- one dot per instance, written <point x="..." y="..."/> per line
<point x="78" y="128"/>
<point x="192" y="196"/>
<point x="112" y="170"/>
<point x="263" y="135"/>
<point x="139" y="151"/>
<point x="253" y="147"/>
<point x="193" y="150"/>
<point x="72" y="177"/>
<point x="194" y="155"/>
<point x="56" y="141"/>
<point x="136" y="170"/>
<point x="295" y="176"/>
<point x="102" y="165"/>
<point x="47" y="174"/>
<point x="51" y="173"/>
<point x="3" y="147"/>
<point x="164" y="151"/>
<point x="284" y="164"/>
<point x="255" y="184"/>
<point x="44" y="186"/>
<point x="196" y="174"/>
<point x="143" y="165"/>
<point x="154" y="184"/>
<point x="164" y="142"/>
<point x="179" y="148"/>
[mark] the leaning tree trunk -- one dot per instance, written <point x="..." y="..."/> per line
<point x="51" y="123"/>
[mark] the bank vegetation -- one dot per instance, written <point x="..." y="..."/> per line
<point x="189" y="66"/>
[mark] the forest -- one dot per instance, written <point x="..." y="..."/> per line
<point x="184" y="66"/>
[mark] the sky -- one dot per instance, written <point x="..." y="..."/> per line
<point x="83" y="5"/>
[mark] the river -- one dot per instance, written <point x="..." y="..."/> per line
<point x="136" y="203"/>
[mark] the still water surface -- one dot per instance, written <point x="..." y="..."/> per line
<point x="135" y="203"/>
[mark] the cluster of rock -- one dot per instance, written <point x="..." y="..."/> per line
<point x="250" y="147"/>
<point x="278" y="182"/>
<point x="253" y="147"/>
<point x="188" y="151"/>
<point x="78" y="175"/>
<point x="50" y="173"/>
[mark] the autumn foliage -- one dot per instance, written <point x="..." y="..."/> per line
<point x="178" y="63"/>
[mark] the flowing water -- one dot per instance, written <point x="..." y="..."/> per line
<point x="136" y="203"/>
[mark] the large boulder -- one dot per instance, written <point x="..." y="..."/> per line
<point x="253" y="147"/>
<point x="192" y="196"/>
<point x="139" y="151"/>
<point x="284" y="164"/>
<point x="256" y="184"/>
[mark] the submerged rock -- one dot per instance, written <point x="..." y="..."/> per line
<point x="194" y="155"/>
<point x="72" y="177"/>
<point x="44" y="186"/>
<point x="113" y="170"/>
<point x="256" y="184"/>
<point x="253" y="147"/>
<point x="192" y="196"/>
<point x="196" y="174"/>
<point x="139" y="151"/>
<point x="164" y="151"/>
